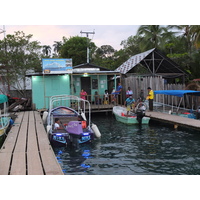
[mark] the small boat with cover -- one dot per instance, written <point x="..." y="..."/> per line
<point x="76" y="128"/>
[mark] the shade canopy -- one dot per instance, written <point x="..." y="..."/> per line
<point x="178" y="93"/>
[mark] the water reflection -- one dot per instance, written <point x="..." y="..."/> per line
<point x="73" y="160"/>
<point x="149" y="149"/>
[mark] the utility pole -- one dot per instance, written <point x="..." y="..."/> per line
<point x="87" y="34"/>
<point x="3" y="31"/>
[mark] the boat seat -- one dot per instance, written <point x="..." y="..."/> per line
<point x="75" y="127"/>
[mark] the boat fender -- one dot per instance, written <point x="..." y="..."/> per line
<point x="48" y="128"/>
<point x="96" y="130"/>
<point x="44" y="117"/>
<point x="83" y="116"/>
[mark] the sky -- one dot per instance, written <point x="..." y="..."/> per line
<point x="103" y="34"/>
<point x="112" y="21"/>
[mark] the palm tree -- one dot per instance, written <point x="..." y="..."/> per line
<point x="46" y="50"/>
<point x="185" y="35"/>
<point x="57" y="46"/>
<point x="195" y="31"/>
<point x="152" y="36"/>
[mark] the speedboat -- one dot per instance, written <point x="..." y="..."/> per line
<point x="75" y="127"/>
<point x="4" y="116"/>
<point x="133" y="118"/>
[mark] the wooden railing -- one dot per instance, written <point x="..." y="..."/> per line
<point x="100" y="103"/>
<point x="101" y="100"/>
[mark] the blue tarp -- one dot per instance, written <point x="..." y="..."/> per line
<point x="178" y="93"/>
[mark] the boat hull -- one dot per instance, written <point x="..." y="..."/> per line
<point x="131" y="120"/>
<point x="66" y="139"/>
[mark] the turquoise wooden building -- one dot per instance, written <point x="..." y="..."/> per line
<point x="87" y="76"/>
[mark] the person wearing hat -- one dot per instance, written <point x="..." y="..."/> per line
<point x="150" y="97"/>
<point x="129" y="103"/>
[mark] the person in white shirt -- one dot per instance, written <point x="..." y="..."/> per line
<point x="57" y="124"/>
<point x="129" y="92"/>
<point x="106" y="97"/>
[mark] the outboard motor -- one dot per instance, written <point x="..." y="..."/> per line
<point x="140" y="112"/>
<point x="198" y="112"/>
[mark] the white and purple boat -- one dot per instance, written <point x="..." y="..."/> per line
<point x="75" y="127"/>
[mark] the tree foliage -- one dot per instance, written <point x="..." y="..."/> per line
<point x="76" y="48"/>
<point x="18" y="55"/>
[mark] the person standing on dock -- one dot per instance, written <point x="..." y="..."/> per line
<point x="150" y="97"/>
<point x="116" y="93"/>
<point x="106" y="97"/>
<point x="129" y="92"/>
<point x="83" y="95"/>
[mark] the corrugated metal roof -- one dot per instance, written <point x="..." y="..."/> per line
<point x="132" y="62"/>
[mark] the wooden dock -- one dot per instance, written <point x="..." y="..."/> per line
<point x="175" y="120"/>
<point x="26" y="150"/>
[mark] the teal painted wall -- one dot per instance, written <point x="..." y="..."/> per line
<point x="43" y="87"/>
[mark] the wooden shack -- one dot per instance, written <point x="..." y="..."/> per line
<point x="151" y="69"/>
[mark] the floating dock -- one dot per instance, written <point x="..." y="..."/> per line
<point x="174" y="120"/>
<point x="26" y="150"/>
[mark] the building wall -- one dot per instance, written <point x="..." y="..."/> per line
<point x="43" y="87"/>
<point x="101" y="86"/>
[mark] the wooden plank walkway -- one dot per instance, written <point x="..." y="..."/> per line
<point x="26" y="150"/>
<point x="175" y="120"/>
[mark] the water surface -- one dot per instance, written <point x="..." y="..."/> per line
<point x="132" y="150"/>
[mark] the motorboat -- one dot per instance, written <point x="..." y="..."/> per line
<point x="4" y="116"/>
<point x="75" y="127"/>
<point x="137" y="117"/>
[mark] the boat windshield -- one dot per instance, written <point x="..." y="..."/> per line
<point x="64" y="111"/>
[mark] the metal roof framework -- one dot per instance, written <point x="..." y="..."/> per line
<point x="156" y="63"/>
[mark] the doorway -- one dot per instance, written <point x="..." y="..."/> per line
<point x="86" y="85"/>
